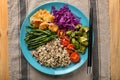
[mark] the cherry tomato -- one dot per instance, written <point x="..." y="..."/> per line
<point x="74" y="57"/>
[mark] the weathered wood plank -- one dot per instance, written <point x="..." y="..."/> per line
<point x="3" y="40"/>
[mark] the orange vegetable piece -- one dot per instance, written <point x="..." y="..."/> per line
<point x="61" y="33"/>
<point x="74" y="57"/>
<point x="70" y="46"/>
<point x="69" y="51"/>
<point x="66" y="38"/>
<point x="64" y="42"/>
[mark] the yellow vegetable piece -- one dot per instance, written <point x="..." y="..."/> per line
<point x="85" y="35"/>
<point x="41" y="16"/>
<point x="82" y="49"/>
<point x="78" y="26"/>
<point x="53" y="27"/>
<point x="43" y="25"/>
<point x="86" y="29"/>
<point x="82" y="39"/>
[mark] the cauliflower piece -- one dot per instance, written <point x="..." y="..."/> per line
<point x="41" y="16"/>
<point x="53" y="27"/>
<point x="43" y="25"/>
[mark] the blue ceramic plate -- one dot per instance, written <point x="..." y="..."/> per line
<point x="57" y="71"/>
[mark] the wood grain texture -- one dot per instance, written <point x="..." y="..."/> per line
<point x="114" y="12"/>
<point x="3" y="40"/>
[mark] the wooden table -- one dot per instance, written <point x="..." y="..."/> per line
<point x="114" y="13"/>
<point x="3" y="40"/>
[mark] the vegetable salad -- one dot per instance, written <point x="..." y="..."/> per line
<point x="57" y="33"/>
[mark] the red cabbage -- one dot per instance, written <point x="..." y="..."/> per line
<point x="64" y="18"/>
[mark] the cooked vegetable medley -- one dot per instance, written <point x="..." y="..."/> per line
<point x="56" y="39"/>
<point x="79" y="37"/>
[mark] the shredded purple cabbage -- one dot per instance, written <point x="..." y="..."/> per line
<point x="64" y="18"/>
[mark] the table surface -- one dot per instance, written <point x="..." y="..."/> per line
<point x="114" y="13"/>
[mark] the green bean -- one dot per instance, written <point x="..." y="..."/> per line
<point x="42" y="31"/>
<point x="36" y="41"/>
<point x="29" y="37"/>
<point x="35" y="37"/>
<point x="38" y="38"/>
<point x="33" y="33"/>
<point x="34" y="47"/>
<point x="31" y="27"/>
<point x="44" y="41"/>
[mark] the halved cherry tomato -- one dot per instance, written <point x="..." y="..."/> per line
<point x="70" y="46"/>
<point x="64" y="42"/>
<point x="69" y="51"/>
<point x="74" y="57"/>
<point x="61" y="33"/>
